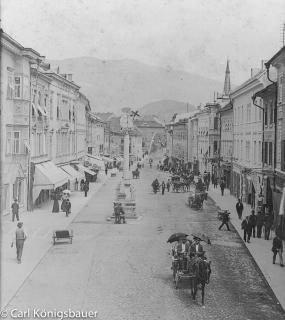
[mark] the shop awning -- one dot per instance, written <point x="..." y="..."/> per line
<point x="96" y="160"/>
<point x="82" y="169"/>
<point x="49" y="176"/>
<point x="72" y="172"/>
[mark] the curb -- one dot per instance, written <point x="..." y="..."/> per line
<point x="277" y="302"/>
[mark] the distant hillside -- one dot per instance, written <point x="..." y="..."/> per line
<point x="113" y="84"/>
<point x="165" y="109"/>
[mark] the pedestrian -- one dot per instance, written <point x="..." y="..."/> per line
<point x="268" y="220"/>
<point x="67" y="208"/>
<point x="168" y="185"/>
<point x="222" y="186"/>
<point x="225" y="220"/>
<point x="20" y="237"/>
<point x="246" y="229"/>
<point x="106" y="170"/>
<point x="259" y="223"/>
<point x="215" y="179"/>
<point x="55" y="207"/>
<point x="81" y="184"/>
<point x="76" y="184"/>
<point x="15" y="210"/>
<point x="85" y="189"/>
<point x="277" y="247"/>
<point x="252" y="223"/>
<point x="162" y="187"/>
<point x="63" y="204"/>
<point x="239" y="208"/>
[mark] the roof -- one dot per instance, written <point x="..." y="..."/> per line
<point x="105" y="116"/>
<point x="277" y="54"/>
<point x="269" y="90"/>
<point x="148" y="121"/>
<point x="248" y="81"/>
<point x="227" y="107"/>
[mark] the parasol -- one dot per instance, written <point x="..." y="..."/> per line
<point x="176" y="236"/>
<point x="66" y="191"/>
<point x="202" y="237"/>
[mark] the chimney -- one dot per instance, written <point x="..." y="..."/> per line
<point x="254" y="71"/>
<point x="69" y="76"/>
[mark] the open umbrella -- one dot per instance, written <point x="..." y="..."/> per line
<point x="66" y="191"/>
<point x="176" y="236"/>
<point x="202" y="237"/>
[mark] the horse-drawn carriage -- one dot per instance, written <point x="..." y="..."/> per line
<point x="193" y="268"/>
<point x="178" y="184"/>
<point x="196" y="199"/>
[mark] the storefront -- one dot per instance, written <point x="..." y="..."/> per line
<point x="47" y="176"/>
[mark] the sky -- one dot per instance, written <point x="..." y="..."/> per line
<point x="197" y="36"/>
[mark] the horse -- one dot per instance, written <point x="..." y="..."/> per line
<point x="136" y="173"/>
<point x="202" y="271"/>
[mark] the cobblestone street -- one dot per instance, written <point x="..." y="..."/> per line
<point x="123" y="271"/>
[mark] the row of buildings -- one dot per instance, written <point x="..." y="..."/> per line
<point x="50" y="134"/>
<point x="240" y="136"/>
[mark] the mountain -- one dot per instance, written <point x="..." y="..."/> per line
<point x="113" y="84"/>
<point x="165" y="109"/>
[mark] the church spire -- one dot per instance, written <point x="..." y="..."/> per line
<point x="227" y="84"/>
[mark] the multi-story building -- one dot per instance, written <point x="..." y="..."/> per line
<point x="177" y="136"/>
<point x="226" y="143"/>
<point x="95" y="134"/>
<point x="150" y="127"/>
<point x="248" y="137"/>
<point x="15" y="120"/>
<point x="208" y="138"/>
<point x="278" y="62"/>
<point x="193" y="142"/>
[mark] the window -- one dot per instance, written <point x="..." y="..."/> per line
<point x="265" y="152"/>
<point x="51" y="106"/>
<point x="271" y="110"/>
<point x="270" y="153"/>
<point x="216" y="122"/>
<point x="13" y="142"/>
<point x="26" y="88"/>
<point x="248" y="113"/>
<point x="280" y="87"/>
<point x="247" y="150"/>
<point x="259" y="152"/>
<point x="10" y="85"/>
<point x="283" y="155"/>
<point x="265" y="114"/>
<point x="18" y="87"/>
<point x="242" y="114"/>
<point x="254" y="151"/>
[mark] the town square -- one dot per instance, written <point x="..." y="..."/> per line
<point x="142" y="160"/>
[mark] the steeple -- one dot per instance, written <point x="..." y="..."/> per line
<point x="227" y="84"/>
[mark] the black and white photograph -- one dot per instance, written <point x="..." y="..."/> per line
<point x="142" y="170"/>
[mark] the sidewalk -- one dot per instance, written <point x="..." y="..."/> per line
<point x="39" y="226"/>
<point x="260" y="249"/>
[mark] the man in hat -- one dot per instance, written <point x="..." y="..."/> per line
<point x="20" y="237"/>
<point x="67" y="207"/>
<point x="182" y="250"/>
<point x="15" y="210"/>
<point x="225" y="220"/>
<point x="196" y="248"/>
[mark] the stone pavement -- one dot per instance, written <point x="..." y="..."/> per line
<point x="39" y="226"/>
<point x="259" y="249"/>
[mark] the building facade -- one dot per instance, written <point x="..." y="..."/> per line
<point x="15" y="120"/>
<point x="248" y="137"/>
<point x="226" y="143"/>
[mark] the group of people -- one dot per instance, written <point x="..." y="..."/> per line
<point x="156" y="186"/>
<point x="253" y="226"/>
<point x="185" y="249"/>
